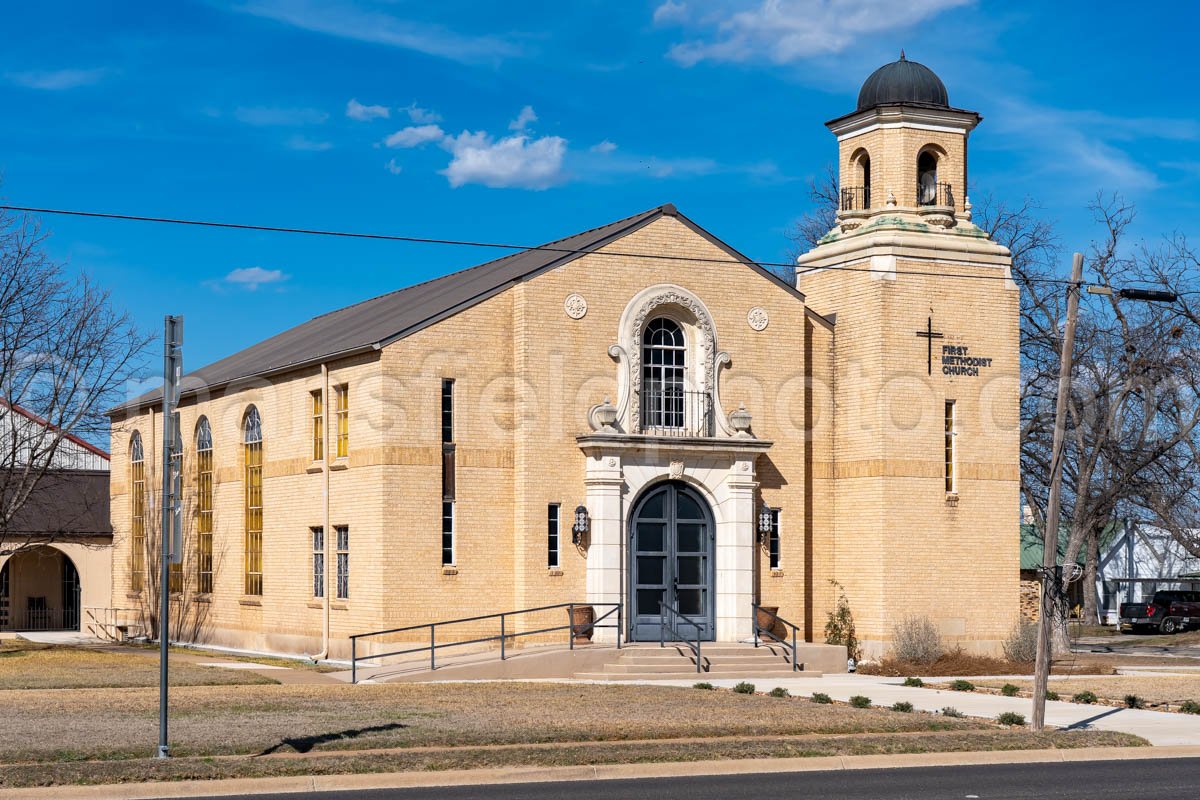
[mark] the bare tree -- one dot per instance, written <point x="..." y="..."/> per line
<point x="1133" y="411"/>
<point x="820" y="219"/>
<point x="65" y="354"/>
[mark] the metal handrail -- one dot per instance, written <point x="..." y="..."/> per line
<point x="434" y="646"/>
<point x="755" y="608"/>
<point x="663" y="609"/>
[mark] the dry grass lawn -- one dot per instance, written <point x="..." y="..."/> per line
<point x="26" y="665"/>
<point x="420" y="759"/>
<point x="1154" y="690"/>
<point x="122" y="723"/>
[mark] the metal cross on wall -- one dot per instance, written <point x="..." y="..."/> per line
<point x="929" y="334"/>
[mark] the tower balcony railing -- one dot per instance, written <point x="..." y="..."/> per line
<point x="935" y="194"/>
<point x="666" y="411"/>
<point x="855" y="198"/>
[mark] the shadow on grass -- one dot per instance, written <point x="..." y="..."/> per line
<point x="304" y="744"/>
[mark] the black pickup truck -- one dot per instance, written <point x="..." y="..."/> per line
<point x="1166" y="612"/>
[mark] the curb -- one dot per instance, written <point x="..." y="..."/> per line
<point x="509" y="775"/>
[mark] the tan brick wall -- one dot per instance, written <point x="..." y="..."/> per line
<point x="894" y="153"/>
<point x="901" y="546"/>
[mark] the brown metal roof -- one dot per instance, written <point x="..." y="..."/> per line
<point x="377" y="322"/>
<point x="64" y="503"/>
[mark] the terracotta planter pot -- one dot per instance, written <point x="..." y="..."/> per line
<point x="582" y="618"/>
<point x="767" y="620"/>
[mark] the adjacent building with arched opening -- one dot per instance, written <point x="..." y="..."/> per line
<point x="56" y="551"/>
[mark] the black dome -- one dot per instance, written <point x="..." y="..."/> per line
<point x="903" y="81"/>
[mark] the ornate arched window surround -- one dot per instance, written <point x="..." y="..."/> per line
<point x="704" y="359"/>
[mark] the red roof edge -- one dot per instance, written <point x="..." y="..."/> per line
<point x="70" y="437"/>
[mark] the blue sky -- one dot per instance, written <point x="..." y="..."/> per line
<point x="525" y="121"/>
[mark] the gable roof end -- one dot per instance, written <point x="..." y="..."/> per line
<point x="380" y="321"/>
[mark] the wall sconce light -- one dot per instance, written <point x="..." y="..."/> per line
<point x="765" y="518"/>
<point x="581" y="526"/>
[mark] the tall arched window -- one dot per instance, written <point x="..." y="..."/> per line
<point x="137" y="526"/>
<point x="664" y="360"/>
<point x="204" y="507"/>
<point x="252" y="440"/>
<point x="927" y="164"/>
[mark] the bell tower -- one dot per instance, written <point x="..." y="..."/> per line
<point x="923" y="476"/>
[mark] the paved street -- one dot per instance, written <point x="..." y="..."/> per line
<point x="1144" y="780"/>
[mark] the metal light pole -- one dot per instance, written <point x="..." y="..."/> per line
<point x="172" y="529"/>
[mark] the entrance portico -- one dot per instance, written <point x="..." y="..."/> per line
<point x="621" y="469"/>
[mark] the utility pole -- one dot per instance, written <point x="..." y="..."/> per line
<point x="1051" y="572"/>
<point x="1050" y="579"/>
<point x="172" y="506"/>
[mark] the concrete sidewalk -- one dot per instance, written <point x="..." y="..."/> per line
<point x="1157" y="727"/>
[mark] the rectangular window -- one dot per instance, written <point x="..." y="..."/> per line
<point x="254" y="519"/>
<point x="318" y="426"/>
<point x="447" y="410"/>
<point x="447" y="533"/>
<point x="137" y="555"/>
<point x="951" y="455"/>
<point x="204" y="521"/>
<point x="318" y="560"/>
<point x="343" y="561"/>
<point x="341" y="395"/>
<point x="553" y="518"/>
<point x="773" y="539"/>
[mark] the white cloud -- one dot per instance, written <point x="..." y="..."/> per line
<point x="392" y="167"/>
<point x="523" y="120"/>
<point x="783" y="31"/>
<point x="1089" y="145"/>
<point x="512" y="162"/>
<point x="348" y="20"/>
<point x="250" y="278"/>
<point x="57" y="80"/>
<point x="264" y="116"/>
<point x="670" y="12"/>
<point x="364" y="113"/>
<point x="421" y="116"/>
<point x="414" y="136"/>
<point x="307" y="145"/>
<point x="603" y="147"/>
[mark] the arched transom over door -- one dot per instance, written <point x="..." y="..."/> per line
<point x="672" y="560"/>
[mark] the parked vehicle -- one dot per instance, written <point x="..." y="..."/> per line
<point x="1166" y="612"/>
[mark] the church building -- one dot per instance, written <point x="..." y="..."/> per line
<point x="637" y="414"/>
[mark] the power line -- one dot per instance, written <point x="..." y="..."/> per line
<point x="386" y="237"/>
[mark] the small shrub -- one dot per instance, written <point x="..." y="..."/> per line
<point x="1021" y="644"/>
<point x="1189" y="707"/>
<point x="1011" y="718"/>
<point x="1133" y="701"/>
<point x="1085" y="697"/>
<point x="962" y="686"/>
<point x="779" y="691"/>
<point x="822" y="698"/>
<point x="917" y="640"/>
<point x="1009" y="690"/>
<point x="914" y="682"/>
<point x="703" y="685"/>
<point x="902" y="707"/>
<point x="839" y="626"/>
<point x="951" y="711"/>
<point x="744" y="688"/>
<point x="860" y="701"/>
<point x="1051" y="694"/>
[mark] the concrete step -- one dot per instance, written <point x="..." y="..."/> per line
<point x="713" y="669"/>
<point x="668" y="658"/>
<point x="697" y="676"/>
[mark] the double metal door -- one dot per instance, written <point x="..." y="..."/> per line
<point x="671" y="553"/>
